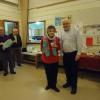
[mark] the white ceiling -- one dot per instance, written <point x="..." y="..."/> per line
<point x="39" y="3"/>
<point x="13" y="1"/>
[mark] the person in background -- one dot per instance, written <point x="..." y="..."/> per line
<point x="1" y="51"/>
<point x="16" y="48"/>
<point x="71" y="45"/>
<point x="1" y="66"/>
<point x="5" y="51"/>
<point x="50" y="46"/>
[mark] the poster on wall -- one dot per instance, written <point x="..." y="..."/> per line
<point x="89" y="41"/>
<point x="58" y="21"/>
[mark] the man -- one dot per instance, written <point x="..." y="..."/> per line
<point x="5" y="51"/>
<point x="71" y="47"/>
<point x="1" y="64"/>
<point x="16" y="47"/>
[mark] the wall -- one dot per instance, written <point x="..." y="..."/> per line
<point x="86" y="11"/>
<point x="82" y="11"/>
<point x="9" y="12"/>
<point x="13" y="1"/>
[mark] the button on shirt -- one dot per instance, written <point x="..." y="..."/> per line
<point x="71" y="40"/>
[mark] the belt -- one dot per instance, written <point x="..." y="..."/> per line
<point x="69" y="52"/>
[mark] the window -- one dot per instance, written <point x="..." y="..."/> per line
<point x="9" y="26"/>
<point x="35" y="31"/>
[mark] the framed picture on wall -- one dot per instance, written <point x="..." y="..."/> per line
<point x="35" y="31"/>
<point x="58" y="21"/>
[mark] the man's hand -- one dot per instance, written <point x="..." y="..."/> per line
<point x="14" y="41"/>
<point x="77" y="57"/>
<point x="1" y="43"/>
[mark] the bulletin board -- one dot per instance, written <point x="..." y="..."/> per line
<point x="92" y="33"/>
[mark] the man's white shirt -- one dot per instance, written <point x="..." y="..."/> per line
<point x="71" y="40"/>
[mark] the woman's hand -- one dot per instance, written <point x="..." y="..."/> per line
<point x="54" y="45"/>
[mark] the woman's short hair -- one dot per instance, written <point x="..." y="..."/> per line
<point x="51" y="27"/>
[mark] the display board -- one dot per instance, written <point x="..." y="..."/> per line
<point x="92" y="34"/>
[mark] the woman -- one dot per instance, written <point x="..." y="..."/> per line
<point x="50" y="46"/>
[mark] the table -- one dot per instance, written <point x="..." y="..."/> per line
<point x="28" y="57"/>
<point x="90" y="62"/>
